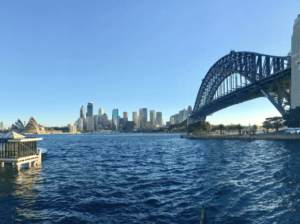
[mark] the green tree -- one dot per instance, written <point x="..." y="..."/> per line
<point x="207" y="127"/>
<point x="221" y="128"/>
<point x="196" y="127"/>
<point x="239" y="128"/>
<point x="255" y="127"/>
<point x="276" y="122"/>
<point x="267" y="125"/>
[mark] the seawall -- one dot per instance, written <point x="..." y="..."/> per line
<point x="244" y="137"/>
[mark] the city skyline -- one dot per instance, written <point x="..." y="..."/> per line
<point x="146" y="56"/>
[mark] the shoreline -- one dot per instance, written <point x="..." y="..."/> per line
<point x="278" y="136"/>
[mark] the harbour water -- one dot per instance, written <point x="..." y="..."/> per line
<point x="155" y="178"/>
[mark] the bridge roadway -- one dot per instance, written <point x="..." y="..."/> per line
<point x="242" y="94"/>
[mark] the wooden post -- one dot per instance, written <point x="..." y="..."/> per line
<point x="19" y="166"/>
<point x="29" y="164"/>
<point x="39" y="162"/>
<point x="2" y="164"/>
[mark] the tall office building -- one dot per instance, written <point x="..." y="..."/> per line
<point x="105" y="118"/>
<point x="143" y="117"/>
<point x="152" y="118"/>
<point x="25" y="123"/>
<point x="90" y="110"/>
<point x="2" y="125"/>
<point x="115" y="114"/>
<point x="100" y="115"/>
<point x="125" y="117"/>
<point x="183" y="114"/>
<point x="190" y="111"/>
<point x="135" y="118"/>
<point x="80" y="124"/>
<point x="90" y="124"/>
<point x="159" y="118"/>
<point x="82" y="113"/>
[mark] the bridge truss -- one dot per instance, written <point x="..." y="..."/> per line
<point x="241" y="76"/>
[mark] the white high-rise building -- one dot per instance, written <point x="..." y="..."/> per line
<point x="100" y="115"/>
<point x="183" y="114"/>
<point x="1" y="125"/>
<point x="152" y="118"/>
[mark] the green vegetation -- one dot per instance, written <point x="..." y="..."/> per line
<point x="274" y="122"/>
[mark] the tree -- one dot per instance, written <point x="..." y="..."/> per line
<point x="276" y="122"/>
<point x="255" y="127"/>
<point x="267" y="125"/>
<point x="207" y="127"/>
<point x="222" y="128"/>
<point x="196" y="127"/>
<point x="239" y="128"/>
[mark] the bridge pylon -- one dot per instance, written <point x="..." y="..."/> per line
<point x="293" y="116"/>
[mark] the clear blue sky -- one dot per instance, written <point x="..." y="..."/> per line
<point x="56" y="56"/>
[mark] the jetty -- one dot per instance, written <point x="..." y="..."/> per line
<point x="17" y="150"/>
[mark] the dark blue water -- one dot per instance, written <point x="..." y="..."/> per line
<point x="155" y="178"/>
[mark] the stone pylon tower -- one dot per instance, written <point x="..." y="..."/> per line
<point x="295" y="65"/>
<point x="293" y="117"/>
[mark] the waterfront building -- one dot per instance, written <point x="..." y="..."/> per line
<point x="104" y="120"/>
<point x="18" y="126"/>
<point x="115" y="114"/>
<point x="125" y="117"/>
<point x="135" y="118"/>
<point x="16" y="149"/>
<point x="25" y="123"/>
<point x="90" y="109"/>
<point x="72" y="128"/>
<point x="183" y="114"/>
<point x="143" y="117"/>
<point x="95" y="121"/>
<point x="32" y="127"/>
<point x="80" y="124"/>
<point x="152" y="118"/>
<point x="90" y="124"/>
<point x="159" y="118"/>
<point x="82" y="113"/>
<point x="100" y="115"/>
<point x="1" y="125"/>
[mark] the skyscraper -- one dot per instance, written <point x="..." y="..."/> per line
<point x="159" y="118"/>
<point x="115" y="114"/>
<point x="90" y="110"/>
<point x="190" y="110"/>
<point x="100" y="115"/>
<point x="152" y="118"/>
<point x="143" y="117"/>
<point x="2" y="125"/>
<point x="125" y="117"/>
<point x="135" y="118"/>
<point x="183" y="114"/>
<point x="82" y="113"/>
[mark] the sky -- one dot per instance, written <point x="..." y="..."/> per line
<point x="56" y="56"/>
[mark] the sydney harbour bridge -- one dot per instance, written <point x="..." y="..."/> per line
<point x="241" y="76"/>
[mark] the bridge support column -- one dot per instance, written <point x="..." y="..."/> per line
<point x="294" y="115"/>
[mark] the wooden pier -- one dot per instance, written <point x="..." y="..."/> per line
<point x="16" y="149"/>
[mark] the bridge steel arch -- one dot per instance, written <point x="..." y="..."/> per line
<point x="241" y="76"/>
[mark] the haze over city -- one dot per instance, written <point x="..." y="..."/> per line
<point x="57" y="56"/>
